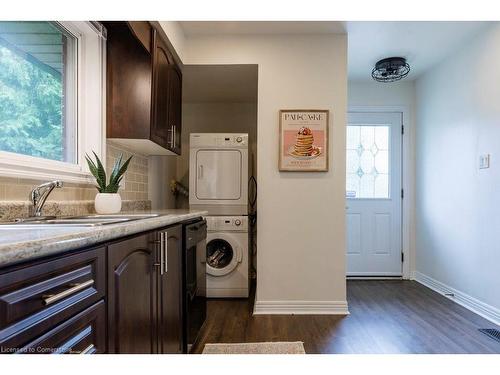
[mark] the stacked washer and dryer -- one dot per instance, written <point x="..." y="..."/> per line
<point x="218" y="183"/>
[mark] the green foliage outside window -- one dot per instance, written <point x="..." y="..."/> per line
<point x="31" y="105"/>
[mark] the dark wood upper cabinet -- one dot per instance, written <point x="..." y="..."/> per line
<point x="144" y="86"/>
<point x="167" y="86"/>
<point x="175" y="106"/>
<point x="128" y="85"/>
<point x="142" y="31"/>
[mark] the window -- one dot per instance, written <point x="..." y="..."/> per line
<point x="51" y="93"/>
<point x="38" y="90"/>
<point x="367" y="161"/>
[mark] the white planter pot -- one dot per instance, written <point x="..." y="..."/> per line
<point x="108" y="203"/>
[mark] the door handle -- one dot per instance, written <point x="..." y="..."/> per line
<point x="200" y="172"/>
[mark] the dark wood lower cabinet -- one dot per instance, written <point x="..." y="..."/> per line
<point x="38" y="297"/>
<point x="123" y="297"/>
<point x="144" y="293"/>
<point x="170" y="294"/>
<point x="132" y="290"/>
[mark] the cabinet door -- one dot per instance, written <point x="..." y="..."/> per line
<point x="128" y="85"/>
<point x="161" y="129"/>
<point x="170" y="295"/>
<point x="175" y="107"/>
<point x="132" y="298"/>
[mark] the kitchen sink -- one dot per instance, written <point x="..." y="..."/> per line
<point x="74" y="221"/>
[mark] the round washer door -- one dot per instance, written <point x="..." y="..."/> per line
<point x="223" y="254"/>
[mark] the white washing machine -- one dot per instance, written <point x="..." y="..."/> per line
<point x="218" y="173"/>
<point x="227" y="258"/>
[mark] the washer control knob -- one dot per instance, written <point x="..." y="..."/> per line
<point x="239" y="139"/>
<point x="237" y="222"/>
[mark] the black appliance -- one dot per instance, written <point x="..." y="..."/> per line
<point x="194" y="280"/>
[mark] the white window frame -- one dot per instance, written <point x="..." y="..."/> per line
<point x="90" y="108"/>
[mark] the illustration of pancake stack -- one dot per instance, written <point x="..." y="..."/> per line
<point x="304" y="143"/>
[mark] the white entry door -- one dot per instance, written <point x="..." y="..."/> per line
<point x="373" y="194"/>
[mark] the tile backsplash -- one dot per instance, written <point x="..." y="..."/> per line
<point x="135" y="185"/>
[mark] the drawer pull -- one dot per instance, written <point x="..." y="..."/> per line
<point x="88" y="349"/>
<point x="49" y="299"/>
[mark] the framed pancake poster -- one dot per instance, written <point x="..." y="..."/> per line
<point x="303" y="140"/>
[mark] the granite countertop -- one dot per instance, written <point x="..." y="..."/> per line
<point x="20" y="244"/>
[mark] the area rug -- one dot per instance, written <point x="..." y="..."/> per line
<point x="256" y="348"/>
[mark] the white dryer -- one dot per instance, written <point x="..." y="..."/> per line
<point x="227" y="256"/>
<point x="218" y="173"/>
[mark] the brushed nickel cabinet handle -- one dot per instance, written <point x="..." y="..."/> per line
<point x="172" y="140"/>
<point x="162" y="253"/>
<point x="88" y="349"/>
<point x="49" y="299"/>
<point x="165" y="249"/>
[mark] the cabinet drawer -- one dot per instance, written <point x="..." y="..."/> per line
<point x="35" y="298"/>
<point x="85" y="333"/>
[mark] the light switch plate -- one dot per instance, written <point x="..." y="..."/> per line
<point x="484" y="161"/>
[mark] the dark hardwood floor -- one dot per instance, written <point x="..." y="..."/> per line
<point x="389" y="316"/>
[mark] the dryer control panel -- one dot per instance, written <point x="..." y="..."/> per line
<point x="227" y="223"/>
<point x="218" y="140"/>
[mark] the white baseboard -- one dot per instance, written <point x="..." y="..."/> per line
<point x="486" y="311"/>
<point x="374" y="277"/>
<point x="301" y="308"/>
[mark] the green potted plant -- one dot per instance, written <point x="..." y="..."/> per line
<point x="107" y="201"/>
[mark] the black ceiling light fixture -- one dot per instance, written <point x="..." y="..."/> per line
<point x="390" y="69"/>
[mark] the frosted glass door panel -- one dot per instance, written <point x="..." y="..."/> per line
<point x="218" y="174"/>
<point x="368" y="161"/>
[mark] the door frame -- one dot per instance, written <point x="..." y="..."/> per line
<point x="407" y="180"/>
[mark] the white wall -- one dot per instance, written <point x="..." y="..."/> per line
<point x="382" y="94"/>
<point x="301" y="216"/>
<point x="216" y="117"/>
<point x="391" y="95"/>
<point x="457" y="205"/>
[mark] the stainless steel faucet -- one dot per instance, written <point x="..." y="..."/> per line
<point x="40" y="194"/>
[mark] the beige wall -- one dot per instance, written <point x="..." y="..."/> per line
<point x="301" y="216"/>
<point x="211" y="117"/>
<point x="175" y="35"/>
<point x="136" y="182"/>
